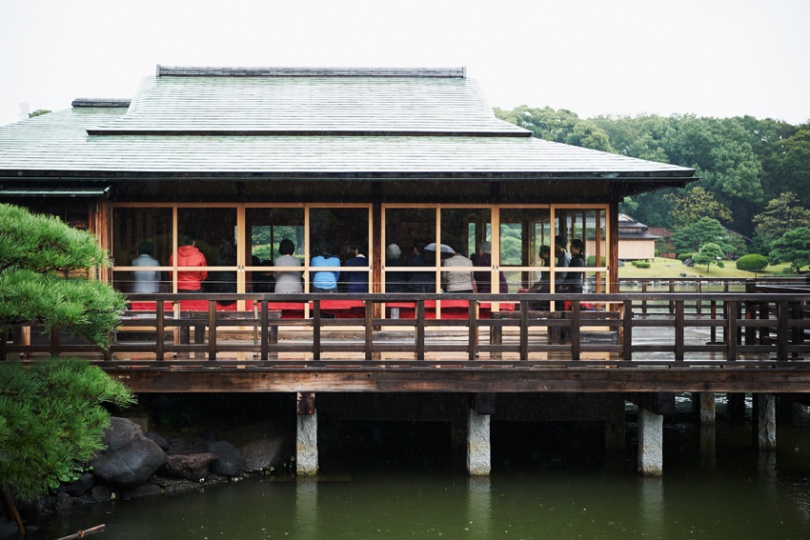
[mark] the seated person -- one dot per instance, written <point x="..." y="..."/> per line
<point x="357" y="282"/>
<point x="288" y="282"/>
<point x="543" y="285"/>
<point x="325" y="281"/>
<point x="483" y="278"/>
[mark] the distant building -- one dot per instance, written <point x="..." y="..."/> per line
<point x="636" y="241"/>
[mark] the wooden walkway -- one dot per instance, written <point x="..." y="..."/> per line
<point x="628" y="342"/>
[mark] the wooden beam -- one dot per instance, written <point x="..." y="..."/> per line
<point x="458" y="379"/>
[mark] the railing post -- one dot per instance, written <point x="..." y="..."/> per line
<point x="698" y="304"/>
<point x="627" y="333"/>
<point x="731" y="330"/>
<point x="783" y="313"/>
<point x="54" y="342"/>
<point x="472" y="317"/>
<point x="420" y="329"/>
<point x="316" y="329"/>
<point x="644" y="302"/>
<point x="671" y="291"/>
<point x="524" y="330"/>
<point x="576" y="321"/>
<point x="160" y="330"/>
<point x="679" y="330"/>
<point x="265" y="329"/>
<point x="212" y="331"/>
<point x="369" y="330"/>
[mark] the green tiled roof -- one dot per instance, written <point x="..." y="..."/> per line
<point x="299" y="124"/>
<point x="317" y="103"/>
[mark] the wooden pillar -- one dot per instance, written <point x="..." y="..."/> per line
<point x="736" y="406"/>
<point x="708" y="409"/>
<point x="650" y="443"/>
<point x="306" y="444"/>
<point x="765" y="421"/>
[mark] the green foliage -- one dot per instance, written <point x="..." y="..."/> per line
<point x="685" y="256"/>
<point x="641" y="264"/>
<point x="752" y="263"/>
<point x="793" y="247"/>
<point x="44" y="277"/>
<point x="38" y="112"/>
<point x="709" y="254"/>
<point x="703" y="231"/>
<point x="51" y="421"/>
<point x="561" y="126"/>
<point x="592" y="261"/>
<point x="696" y="203"/>
<point x="780" y="215"/>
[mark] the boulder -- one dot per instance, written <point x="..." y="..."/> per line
<point x="263" y="453"/>
<point x="190" y="466"/>
<point x="120" y="433"/>
<point x="159" y="440"/>
<point x="80" y="486"/>
<point x="230" y="461"/>
<point x="130" y="458"/>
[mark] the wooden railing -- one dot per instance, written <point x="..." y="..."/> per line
<point x="267" y="330"/>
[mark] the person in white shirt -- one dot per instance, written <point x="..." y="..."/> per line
<point x="288" y="282"/>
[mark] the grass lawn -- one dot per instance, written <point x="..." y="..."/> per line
<point x="666" y="268"/>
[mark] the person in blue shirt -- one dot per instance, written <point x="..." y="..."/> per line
<point x="357" y="282"/>
<point x="325" y="281"/>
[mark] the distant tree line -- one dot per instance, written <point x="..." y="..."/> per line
<point x="753" y="175"/>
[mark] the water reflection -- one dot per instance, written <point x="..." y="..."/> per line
<point x="651" y="500"/>
<point x="744" y="494"/>
<point x="479" y="507"/>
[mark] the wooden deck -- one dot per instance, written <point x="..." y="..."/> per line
<point x="629" y="342"/>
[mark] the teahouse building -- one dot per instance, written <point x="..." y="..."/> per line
<point x="244" y="158"/>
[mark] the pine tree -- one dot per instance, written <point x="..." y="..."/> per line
<point x="51" y="413"/>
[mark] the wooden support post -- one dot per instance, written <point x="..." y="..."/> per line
<point x="708" y="409"/>
<point x="765" y="421"/>
<point x="650" y="443"/>
<point x="306" y="444"/>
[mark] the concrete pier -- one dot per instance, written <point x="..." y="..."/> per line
<point x="479" y="449"/>
<point x="306" y="445"/>
<point x="650" y="443"/>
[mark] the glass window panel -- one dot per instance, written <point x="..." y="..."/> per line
<point x="275" y="237"/>
<point x="409" y="230"/>
<point x="338" y="232"/>
<point x="142" y="237"/>
<point x="212" y="233"/>
<point x="468" y="232"/>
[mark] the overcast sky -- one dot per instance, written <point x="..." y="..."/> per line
<point x="623" y="57"/>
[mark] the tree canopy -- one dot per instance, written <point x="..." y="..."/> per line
<point x="742" y="162"/>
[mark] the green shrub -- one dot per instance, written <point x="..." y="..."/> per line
<point x="641" y="264"/>
<point x="683" y="256"/>
<point x="592" y="261"/>
<point x="752" y="263"/>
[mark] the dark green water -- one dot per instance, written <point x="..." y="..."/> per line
<point x="734" y="492"/>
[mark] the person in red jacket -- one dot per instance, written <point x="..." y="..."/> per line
<point x="188" y="255"/>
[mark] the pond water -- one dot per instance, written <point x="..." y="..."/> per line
<point x="734" y="492"/>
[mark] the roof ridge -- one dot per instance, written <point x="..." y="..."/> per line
<point x="100" y="102"/>
<point x="178" y="71"/>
